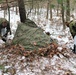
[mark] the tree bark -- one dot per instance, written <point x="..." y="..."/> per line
<point x="22" y="11"/>
<point x="67" y="10"/>
<point x="62" y="11"/>
<point x="8" y="10"/>
<point x="16" y="10"/>
<point x="57" y="9"/>
<point x="4" y="14"/>
<point x="47" y="10"/>
<point x="50" y="11"/>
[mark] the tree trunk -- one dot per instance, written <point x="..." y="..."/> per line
<point x="67" y="10"/>
<point x="37" y="8"/>
<point x="58" y="9"/>
<point x="8" y="10"/>
<point x="16" y="10"/>
<point x="22" y="11"/>
<point x="50" y="11"/>
<point x="32" y="4"/>
<point x="62" y="11"/>
<point x="47" y="10"/>
<point x="4" y="13"/>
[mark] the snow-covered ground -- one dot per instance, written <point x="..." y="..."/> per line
<point x="43" y="65"/>
<point x="54" y="27"/>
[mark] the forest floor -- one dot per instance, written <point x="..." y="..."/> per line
<point x="56" y="59"/>
<point x="53" y="60"/>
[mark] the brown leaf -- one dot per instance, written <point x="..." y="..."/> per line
<point x="60" y="36"/>
<point x="34" y="43"/>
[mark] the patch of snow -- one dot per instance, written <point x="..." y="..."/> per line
<point x="1" y="43"/>
<point x="6" y="67"/>
<point x="59" y="48"/>
<point x="23" y="57"/>
<point x="53" y="60"/>
<point x="0" y="72"/>
<point x="75" y="40"/>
